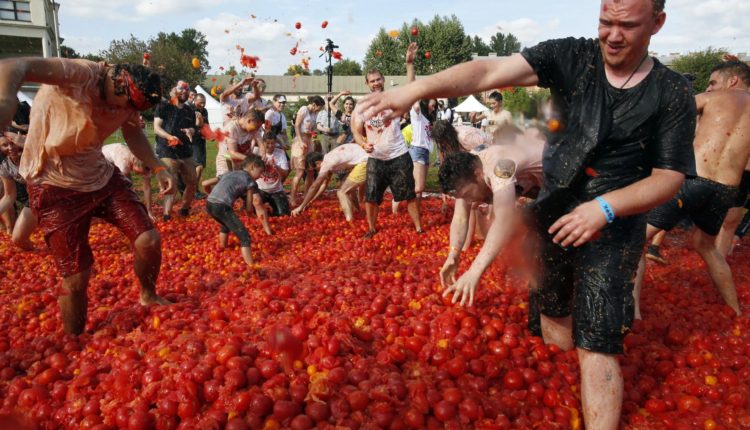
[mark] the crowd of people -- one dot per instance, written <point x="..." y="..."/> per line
<point x="590" y="194"/>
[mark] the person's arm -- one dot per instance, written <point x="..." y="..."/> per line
<point x="298" y="120"/>
<point x="233" y="149"/>
<point x="358" y="132"/>
<point x="476" y="117"/>
<point x="231" y="89"/>
<point x="146" y="188"/>
<point x="139" y="146"/>
<point x="504" y="213"/>
<point x="255" y="85"/>
<point x="253" y="200"/>
<point x="10" y="195"/>
<point x="411" y="53"/>
<point x="333" y="104"/>
<point x="199" y="120"/>
<point x="15" y="71"/>
<point x="159" y="130"/>
<point x="312" y="194"/>
<point x="465" y="78"/>
<point x="456" y="239"/>
<point x="582" y="224"/>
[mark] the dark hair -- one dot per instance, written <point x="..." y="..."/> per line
<point x="317" y="100"/>
<point x="350" y="98"/>
<point x="457" y="168"/>
<point x="254" y="160"/>
<point x="312" y="158"/>
<point x="734" y="68"/>
<point x="254" y="115"/>
<point x="147" y="82"/>
<point x="446" y="138"/>
<point x="424" y="107"/>
<point x="200" y="95"/>
<point x="269" y="135"/>
<point x="276" y="97"/>
<point x="658" y="6"/>
<point x="496" y="96"/>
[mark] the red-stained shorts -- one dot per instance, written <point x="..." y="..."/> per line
<point x="65" y="217"/>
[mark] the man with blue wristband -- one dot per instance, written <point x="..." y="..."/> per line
<point x="627" y="123"/>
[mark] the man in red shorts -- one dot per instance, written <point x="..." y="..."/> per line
<point x="69" y="181"/>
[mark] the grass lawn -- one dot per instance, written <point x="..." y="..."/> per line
<point x="211" y="150"/>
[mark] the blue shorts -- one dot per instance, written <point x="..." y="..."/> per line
<point x="419" y="155"/>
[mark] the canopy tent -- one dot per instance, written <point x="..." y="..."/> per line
<point x="22" y="97"/>
<point x="471" y="105"/>
<point x="215" y="117"/>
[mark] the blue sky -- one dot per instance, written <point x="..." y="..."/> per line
<point x="89" y="25"/>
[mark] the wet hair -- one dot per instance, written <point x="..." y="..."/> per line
<point x="495" y="95"/>
<point x="312" y="158"/>
<point x="317" y="100"/>
<point x="446" y="138"/>
<point x="658" y="6"/>
<point x="147" y="82"/>
<point x="254" y="115"/>
<point x="424" y="107"/>
<point x="458" y="168"/>
<point x="254" y="160"/>
<point x="373" y="71"/>
<point x="734" y="68"/>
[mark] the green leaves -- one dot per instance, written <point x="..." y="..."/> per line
<point x="699" y="64"/>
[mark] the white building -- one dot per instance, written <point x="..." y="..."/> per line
<point x="29" y="28"/>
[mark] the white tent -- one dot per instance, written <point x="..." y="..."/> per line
<point x="22" y="97"/>
<point x="471" y="105"/>
<point x="215" y="117"/>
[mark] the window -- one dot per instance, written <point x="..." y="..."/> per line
<point x="15" y="10"/>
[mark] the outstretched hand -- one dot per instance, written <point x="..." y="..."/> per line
<point x="395" y="103"/>
<point x="579" y="226"/>
<point x="411" y="53"/>
<point x="465" y="288"/>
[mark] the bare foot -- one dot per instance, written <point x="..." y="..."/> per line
<point x="148" y="299"/>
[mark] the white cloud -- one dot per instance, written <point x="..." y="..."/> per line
<point x="173" y="7"/>
<point x="85" y="45"/>
<point x="125" y="10"/>
<point x="528" y="31"/>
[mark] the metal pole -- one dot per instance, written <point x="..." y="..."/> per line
<point x="55" y="8"/>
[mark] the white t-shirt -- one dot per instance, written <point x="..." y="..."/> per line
<point x="244" y="142"/>
<point x="385" y="136"/>
<point x="421" y="130"/>
<point x="343" y="157"/>
<point x="309" y="120"/>
<point x="273" y="116"/>
<point x="270" y="180"/>
<point x="120" y="155"/>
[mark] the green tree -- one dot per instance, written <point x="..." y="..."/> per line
<point x="297" y="70"/>
<point x="524" y="101"/>
<point x="171" y="55"/>
<point x="699" y="64"/>
<point x="478" y="46"/>
<point x="504" y="44"/>
<point x="68" y="52"/>
<point x="384" y="54"/>
<point x="346" y="67"/>
<point x="443" y="38"/>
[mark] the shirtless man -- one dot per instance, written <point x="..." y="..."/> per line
<point x="722" y="148"/>
<point x="730" y="233"/>
<point x="489" y="176"/>
<point x="69" y="180"/>
<point x="348" y="156"/>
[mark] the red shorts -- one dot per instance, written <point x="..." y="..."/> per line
<point x="65" y="217"/>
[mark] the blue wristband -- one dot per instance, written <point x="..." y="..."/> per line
<point x="609" y="213"/>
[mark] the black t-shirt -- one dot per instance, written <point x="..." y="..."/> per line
<point x="198" y="139"/>
<point x="22" y="117"/>
<point x="174" y="119"/>
<point x="611" y="138"/>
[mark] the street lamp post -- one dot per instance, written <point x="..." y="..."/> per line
<point x="55" y="9"/>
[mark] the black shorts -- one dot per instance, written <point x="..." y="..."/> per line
<point x="398" y="173"/>
<point x="229" y="221"/>
<point x="744" y="190"/>
<point x="704" y="201"/>
<point x="278" y="201"/>
<point x="594" y="283"/>
<point x="199" y="152"/>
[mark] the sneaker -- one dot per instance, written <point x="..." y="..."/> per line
<point x="184" y="212"/>
<point x="654" y="255"/>
<point x="166" y="218"/>
<point x="199" y="195"/>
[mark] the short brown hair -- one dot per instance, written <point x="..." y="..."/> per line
<point x="373" y="71"/>
<point x="734" y="68"/>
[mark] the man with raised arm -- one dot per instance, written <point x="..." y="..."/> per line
<point x="722" y="149"/>
<point x="623" y="149"/>
<point x="69" y="181"/>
